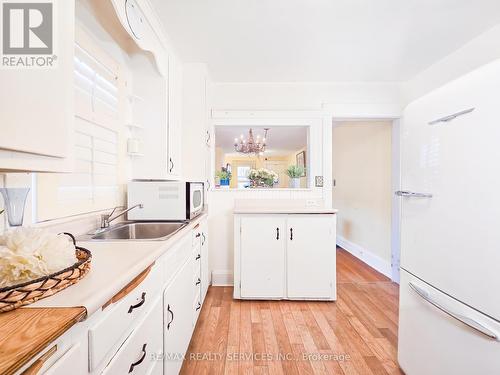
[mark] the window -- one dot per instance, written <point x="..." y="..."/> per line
<point x="94" y="183"/>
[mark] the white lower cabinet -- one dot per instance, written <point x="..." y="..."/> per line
<point x="310" y="256"/>
<point x="285" y="256"/>
<point x="178" y="318"/>
<point x="262" y="257"/>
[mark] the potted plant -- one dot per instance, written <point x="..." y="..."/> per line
<point x="262" y="178"/>
<point x="295" y="172"/>
<point x="224" y="177"/>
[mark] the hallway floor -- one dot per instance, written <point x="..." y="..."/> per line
<point x="357" y="334"/>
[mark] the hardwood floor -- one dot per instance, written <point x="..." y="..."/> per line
<point x="357" y="334"/>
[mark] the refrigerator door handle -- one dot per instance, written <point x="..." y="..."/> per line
<point x="471" y="323"/>
<point x="411" y="194"/>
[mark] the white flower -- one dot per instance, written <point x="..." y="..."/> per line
<point x="29" y="253"/>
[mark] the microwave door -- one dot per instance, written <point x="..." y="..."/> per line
<point x="196" y="199"/>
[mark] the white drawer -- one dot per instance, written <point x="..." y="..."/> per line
<point x="140" y="354"/>
<point x="71" y="362"/>
<point x="118" y="317"/>
<point x="176" y="257"/>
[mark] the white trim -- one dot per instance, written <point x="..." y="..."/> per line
<point x="396" y="202"/>
<point x="374" y="261"/>
<point x="222" y="278"/>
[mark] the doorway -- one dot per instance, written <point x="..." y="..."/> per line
<point x="365" y="166"/>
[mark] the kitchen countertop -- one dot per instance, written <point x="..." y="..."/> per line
<point x="284" y="210"/>
<point x="26" y="331"/>
<point x="114" y="265"/>
<point x="281" y="206"/>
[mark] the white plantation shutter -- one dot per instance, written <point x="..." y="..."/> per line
<point x="94" y="184"/>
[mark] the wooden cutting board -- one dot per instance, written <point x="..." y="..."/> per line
<point x="27" y="331"/>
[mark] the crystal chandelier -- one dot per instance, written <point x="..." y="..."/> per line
<point x="252" y="145"/>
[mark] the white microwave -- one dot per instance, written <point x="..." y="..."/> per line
<point x="165" y="200"/>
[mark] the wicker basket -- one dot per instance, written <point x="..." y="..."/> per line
<point x="23" y="294"/>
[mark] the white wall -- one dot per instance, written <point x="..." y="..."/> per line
<point x="480" y="51"/>
<point x="293" y="96"/>
<point x="362" y="171"/>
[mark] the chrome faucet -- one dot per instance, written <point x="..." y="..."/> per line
<point x="108" y="218"/>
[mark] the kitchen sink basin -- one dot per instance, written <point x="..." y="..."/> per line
<point x="139" y="231"/>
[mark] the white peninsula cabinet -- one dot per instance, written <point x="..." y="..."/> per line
<point x="285" y="255"/>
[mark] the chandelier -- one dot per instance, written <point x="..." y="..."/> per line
<point x="252" y="145"/>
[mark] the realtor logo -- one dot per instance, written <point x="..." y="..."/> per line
<point x="27" y="34"/>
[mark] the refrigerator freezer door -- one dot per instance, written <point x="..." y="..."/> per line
<point x="450" y="229"/>
<point x="433" y="342"/>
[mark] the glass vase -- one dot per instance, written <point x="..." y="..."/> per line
<point x="14" y="202"/>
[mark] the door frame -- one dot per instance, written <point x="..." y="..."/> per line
<point x="395" y="186"/>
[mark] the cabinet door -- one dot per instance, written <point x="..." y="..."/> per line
<point x="205" y="272"/>
<point x="36" y="113"/>
<point x="174" y="116"/>
<point x="178" y="318"/>
<point x="311" y="256"/>
<point x="262" y="256"/>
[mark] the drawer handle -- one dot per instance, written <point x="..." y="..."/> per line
<point x="139" y="361"/>
<point x="198" y="307"/>
<point x="204" y="239"/>
<point x="198" y="282"/>
<point x="198" y="257"/>
<point x="172" y="314"/>
<point x="143" y="299"/>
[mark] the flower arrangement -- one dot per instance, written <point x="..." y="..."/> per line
<point x="262" y="178"/>
<point x="29" y="253"/>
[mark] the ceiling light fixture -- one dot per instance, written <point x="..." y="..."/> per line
<point x="252" y="145"/>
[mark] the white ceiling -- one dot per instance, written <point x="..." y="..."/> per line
<point x="322" y="40"/>
<point x="280" y="139"/>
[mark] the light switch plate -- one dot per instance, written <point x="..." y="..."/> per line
<point x="318" y="181"/>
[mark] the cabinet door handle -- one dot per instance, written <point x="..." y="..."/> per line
<point x="291" y="234"/>
<point x="172" y="314"/>
<point x="198" y="306"/>
<point x="198" y="235"/>
<point x="198" y="282"/>
<point x="143" y="299"/>
<point x="140" y="360"/>
<point x="209" y="136"/>
<point x="208" y="185"/>
<point x="171" y="165"/>
<point x="277" y="233"/>
<point x="197" y="257"/>
<point x="204" y="239"/>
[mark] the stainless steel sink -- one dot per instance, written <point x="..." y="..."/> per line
<point x="139" y="231"/>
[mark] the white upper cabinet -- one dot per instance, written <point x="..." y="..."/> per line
<point x="36" y="110"/>
<point x="174" y="116"/>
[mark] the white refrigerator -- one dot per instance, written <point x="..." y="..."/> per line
<point x="450" y="229"/>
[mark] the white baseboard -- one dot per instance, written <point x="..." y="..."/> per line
<point x="366" y="256"/>
<point x="222" y="278"/>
